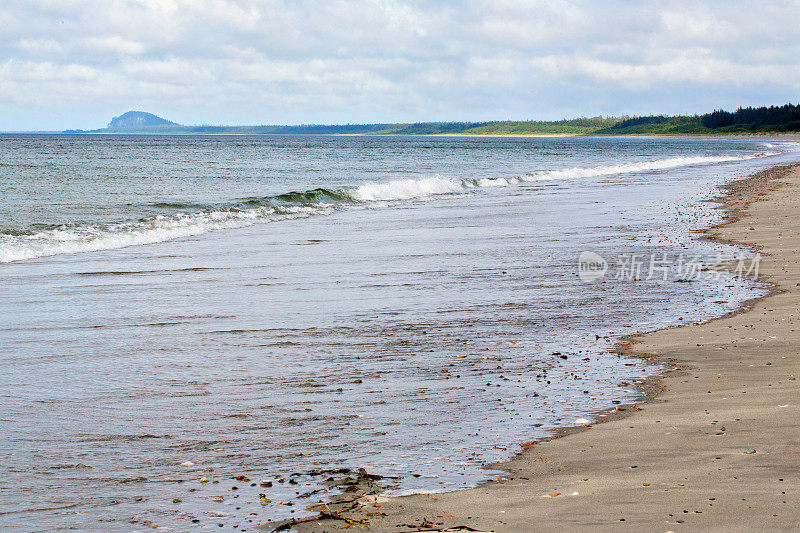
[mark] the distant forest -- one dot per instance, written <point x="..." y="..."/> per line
<point x="773" y="119"/>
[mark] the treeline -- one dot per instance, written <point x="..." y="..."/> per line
<point x="430" y="128"/>
<point x="777" y="119"/>
<point x="653" y="125"/>
<point x="773" y="118"/>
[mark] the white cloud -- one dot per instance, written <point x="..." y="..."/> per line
<point x="113" y="44"/>
<point x="74" y="63"/>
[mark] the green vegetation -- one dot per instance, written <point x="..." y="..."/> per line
<point x="775" y="119"/>
<point x="655" y="125"/>
<point x="755" y="119"/>
<point x="578" y="126"/>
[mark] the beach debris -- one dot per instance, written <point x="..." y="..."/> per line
<point x="266" y="484"/>
<point x="187" y="463"/>
<point x="582" y="421"/>
<point x="554" y="494"/>
<point x="242" y="478"/>
<point x="749" y="451"/>
<point x="576" y="493"/>
<point x="203" y="480"/>
<point x="176" y="500"/>
<point x="424" y="524"/>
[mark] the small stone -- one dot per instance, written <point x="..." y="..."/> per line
<point x="203" y="480"/>
<point x="749" y="450"/>
<point x="266" y="483"/>
<point x="176" y="500"/>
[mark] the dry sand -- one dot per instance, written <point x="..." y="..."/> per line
<point x="676" y="461"/>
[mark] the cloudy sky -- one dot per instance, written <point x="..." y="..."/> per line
<point x="77" y="63"/>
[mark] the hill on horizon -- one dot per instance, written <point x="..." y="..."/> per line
<point x="138" y="119"/>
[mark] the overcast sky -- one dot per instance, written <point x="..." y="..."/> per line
<point x="77" y="63"/>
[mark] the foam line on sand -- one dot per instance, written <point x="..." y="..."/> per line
<point x="712" y="445"/>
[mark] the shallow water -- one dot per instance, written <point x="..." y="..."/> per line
<point x="418" y="313"/>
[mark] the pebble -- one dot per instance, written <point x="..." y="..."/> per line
<point x="749" y="450"/>
<point x="203" y="480"/>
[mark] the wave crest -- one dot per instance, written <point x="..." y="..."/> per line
<point x="294" y="204"/>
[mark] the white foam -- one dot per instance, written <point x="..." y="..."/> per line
<point x="641" y="166"/>
<point x="418" y="188"/>
<point x="407" y="189"/>
<point x="67" y="240"/>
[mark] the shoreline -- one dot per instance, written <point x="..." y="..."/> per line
<point x="591" y="460"/>
<point x="791" y="136"/>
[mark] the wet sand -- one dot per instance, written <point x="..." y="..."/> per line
<point x="712" y="445"/>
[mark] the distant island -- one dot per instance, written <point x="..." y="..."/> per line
<point x="138" y="119"/>
<point x="773" y="119"/>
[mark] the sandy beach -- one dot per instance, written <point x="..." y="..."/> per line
<point x="711" y="446"/>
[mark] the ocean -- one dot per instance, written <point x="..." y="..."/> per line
<point x="277" y="308"/>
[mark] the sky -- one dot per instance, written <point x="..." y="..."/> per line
<point x="78" y="63"/>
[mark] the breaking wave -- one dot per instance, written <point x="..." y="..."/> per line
<point x="196" y="219"/>
<point x="94" y="238"/>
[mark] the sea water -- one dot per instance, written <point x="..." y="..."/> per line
<point x="278" y="307"/>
